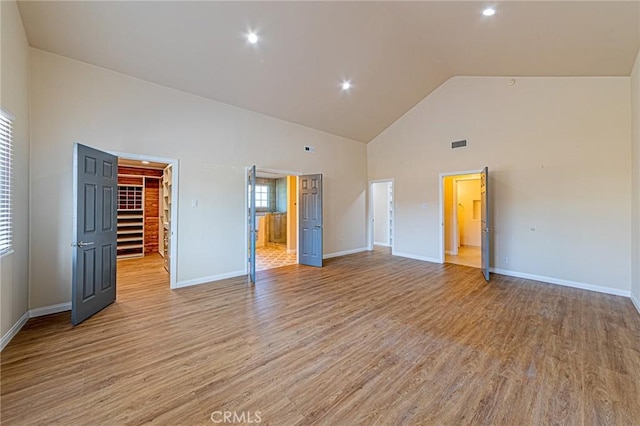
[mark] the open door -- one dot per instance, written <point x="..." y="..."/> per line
<point x="95" y="232"/>
<point x="485" y="223"/>
<point x="310" y="222"/>
<point x="251" y="223"/>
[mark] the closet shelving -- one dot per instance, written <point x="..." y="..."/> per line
<point x="130" y="221"/>
<point x="167" y="183"/>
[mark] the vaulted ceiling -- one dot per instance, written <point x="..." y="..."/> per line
<point x="394" y="53"/>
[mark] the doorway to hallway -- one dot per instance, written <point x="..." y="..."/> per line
<point x="381" y="214"/>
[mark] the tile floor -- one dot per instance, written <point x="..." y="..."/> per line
<point x="467" y="256"/>
<point x="270" y="256"/>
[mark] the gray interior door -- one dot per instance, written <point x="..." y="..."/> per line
<point x="251" y="223"/>
<point x="485" y="224"/>
<point x="95" y="232"/>
<point x="310" y="223"/>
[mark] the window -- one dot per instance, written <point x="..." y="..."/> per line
<point x="262" y="196"/>
<point x="6" y="177"/>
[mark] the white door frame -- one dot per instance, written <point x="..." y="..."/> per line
<point x="173" y="247"/>
<point x="370" y="213"/>
<point x="246" y="207"/>
<point x="455" y="212"/>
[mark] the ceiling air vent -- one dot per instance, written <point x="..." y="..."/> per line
<point x="458" y="144"/>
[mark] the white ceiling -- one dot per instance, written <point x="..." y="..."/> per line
<point x="139" y="164"/>
<point x="395" y="53"/>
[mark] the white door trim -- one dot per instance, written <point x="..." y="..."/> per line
<point x="370" y="213"/>
<point x="175" y="176"/>
<point x="441" y="197"/>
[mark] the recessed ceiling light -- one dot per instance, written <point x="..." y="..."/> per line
<point x="144" y="162"/>
<point x="252" y="37"/>
<point x="489" y="11"/>
<point x="346" y="85"/>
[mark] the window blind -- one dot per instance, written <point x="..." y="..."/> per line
<point x="6" y="182"/>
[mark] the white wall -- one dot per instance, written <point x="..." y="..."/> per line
<point x="558" y="150"/>
<point x="635" y="136"/>
<point x="380" y="192"/>
<point x="14" y="97"/>
<point x="72" y="101"/>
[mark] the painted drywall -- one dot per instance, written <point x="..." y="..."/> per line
<point x="558" y="151"/>
<point x="635" y="138"/>
<point x="468" y="194"/>
<point x="76" y="102"/>
<point x="381" y="213"/>
<point x="14" y="97"/>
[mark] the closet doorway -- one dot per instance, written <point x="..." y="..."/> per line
<point x="147" y="211"/>
<point x="462" y="219"/>
<point x="276" y="195"/>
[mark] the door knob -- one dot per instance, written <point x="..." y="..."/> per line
<point x="82" y="244"/>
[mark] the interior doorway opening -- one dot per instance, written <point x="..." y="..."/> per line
<point x="276" y="239"/>
<point x="462" y="212"/>
<point x="147" y="214"/>
<point x="381" y="214"/>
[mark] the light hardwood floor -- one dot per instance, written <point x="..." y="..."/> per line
<point x="368" y="339"/>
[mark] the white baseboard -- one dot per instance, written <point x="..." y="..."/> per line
<point x="51" y="309"/>
<point x="377" y="243"/>
<point x="450" y="252"/>
<point x="415" y="257"/>
<point x="14" y="330"/>
<point x="566" y="283"/>
<point x="344" y="253"/>
<point x="33" y="313"/>
<point x="211" y="278"/>
<point x="636" y="302"/>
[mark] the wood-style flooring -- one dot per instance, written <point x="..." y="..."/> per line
<point x="368" y="339"/>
